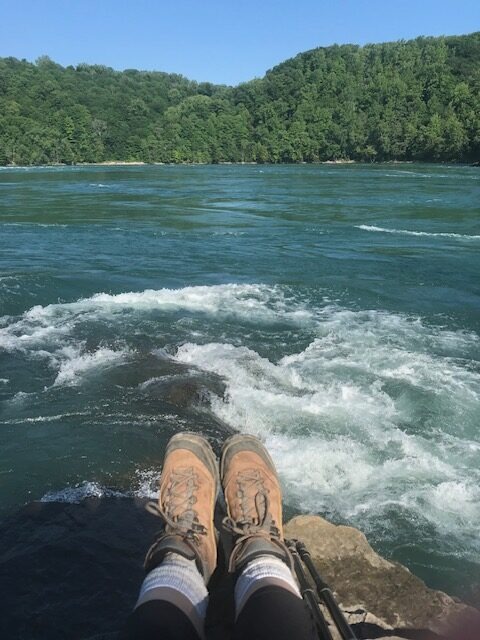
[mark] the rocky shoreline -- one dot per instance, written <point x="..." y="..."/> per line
<point x="73" y="571"/>
<point x="380" y="598"/>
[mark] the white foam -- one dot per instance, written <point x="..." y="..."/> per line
<point x="47" y="327"/>
<point x="229" y="233"/>
<point x="245" y="301"/>
<point x="76" y="364"/>
<point x="33" y="224"/>
<point x="34" y="330"/>
<point x="146" y="483"/>
<point x="145" y="486"/>
<point x="458" y="500"/>
<point x="405" y="232"/>
<point x="81" y="491"/>
<point x="399" y="173"/>
<point x="344" y="439"/>
<point x="169" y="378"/>
<point x="52" y="418"/>
<point x="20" y="398"/>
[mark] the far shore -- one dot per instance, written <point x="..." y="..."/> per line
<point x="140" y="163"/>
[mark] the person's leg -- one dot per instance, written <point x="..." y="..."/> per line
<point x="274" y="613"/>
<point x="173" y="597"/>
<point x="159" y="620"/>
<point x="268" y="604"/>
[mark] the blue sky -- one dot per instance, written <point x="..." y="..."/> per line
<point x="219" y="41"/>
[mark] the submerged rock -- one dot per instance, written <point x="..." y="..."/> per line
<point x="73" y="571"/>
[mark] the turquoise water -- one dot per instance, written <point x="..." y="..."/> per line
<point x="332" y="310"/>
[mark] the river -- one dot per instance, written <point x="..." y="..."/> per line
<point x="332" y="310"/>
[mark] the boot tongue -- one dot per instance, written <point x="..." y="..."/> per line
<point x="261" y="507"/>
<point x="252" y="490"/>
<point x="261" y="518"/>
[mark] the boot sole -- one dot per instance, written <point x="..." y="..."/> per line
<point x="240" y="442"/>
<point x="199" y="446"/>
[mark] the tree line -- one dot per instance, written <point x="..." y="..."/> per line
<point x="407" y="100"/>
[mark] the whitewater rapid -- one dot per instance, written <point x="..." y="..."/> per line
<point x="375" y="415"/>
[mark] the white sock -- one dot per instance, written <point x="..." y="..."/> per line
<point x="178" y="581"/>
<point x="261" y="572"/>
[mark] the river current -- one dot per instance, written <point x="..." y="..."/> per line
<point x="332" y="310"/>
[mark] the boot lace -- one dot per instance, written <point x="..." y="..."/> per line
<point x="256" y="518"/>
<point x="177" y="510"/>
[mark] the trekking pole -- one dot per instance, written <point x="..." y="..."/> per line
<point x="308" y="594"/>
<point x="324" y="593"/>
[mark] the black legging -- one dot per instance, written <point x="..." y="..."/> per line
<point x="271" y="613"/>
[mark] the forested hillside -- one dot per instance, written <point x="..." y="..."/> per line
<point x="415" y="100"/>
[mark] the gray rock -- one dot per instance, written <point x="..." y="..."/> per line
<point x="376" y="592"/>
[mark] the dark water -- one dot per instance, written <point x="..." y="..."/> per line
<point x="332" y="310"/>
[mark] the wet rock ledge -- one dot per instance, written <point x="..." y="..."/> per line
<point x="72" y="571"/>
<point x="380" y="598"/>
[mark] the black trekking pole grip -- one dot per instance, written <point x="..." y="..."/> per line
<point x="308" y="594"/>
<point x="325" y="593"/>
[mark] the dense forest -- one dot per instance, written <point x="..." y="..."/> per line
<point x="414" y="100"/>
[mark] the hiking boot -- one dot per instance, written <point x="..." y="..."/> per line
<point x="187" y="494"/>
<point x="254" y="502"/>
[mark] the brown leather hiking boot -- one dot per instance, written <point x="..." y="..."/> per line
<point x="254" y="501"/>
<point x="186" y="502"/>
